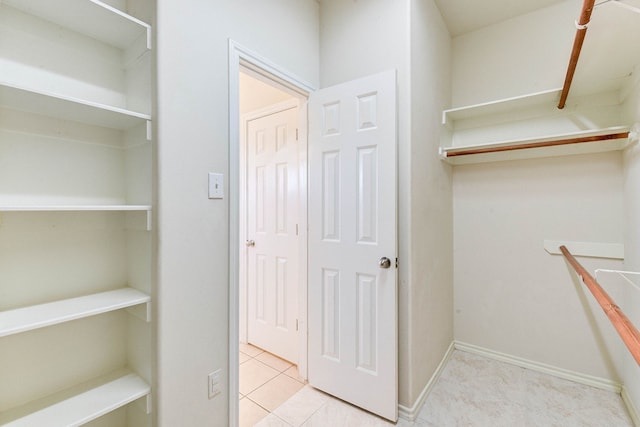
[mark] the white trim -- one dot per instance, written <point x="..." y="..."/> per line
<point x="234" y="232"/>
<point x="631" y="408"/>
<point x="241" y="56"/>
<point x="577" y="377"/>
<point x="410" y="414"/>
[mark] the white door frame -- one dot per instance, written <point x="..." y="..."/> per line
<point x="241" y="57"/>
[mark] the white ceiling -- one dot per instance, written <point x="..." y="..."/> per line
<point x="463" y="16"/>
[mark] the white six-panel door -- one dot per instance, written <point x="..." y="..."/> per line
<point x="352" y="229"/>
<point x="272" y="233"/>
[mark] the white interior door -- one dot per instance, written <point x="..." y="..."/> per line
<point x="352" y="231"/>
<point x="272" y="233"/>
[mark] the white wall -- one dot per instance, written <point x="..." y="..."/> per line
<point x="523" y="55"/>
<point x="630" y="369"/>
<point x="193" y="132"/>
<point x="431" y="257"/>
<point x="510" y="295"/>
<point x="362" y="38"/>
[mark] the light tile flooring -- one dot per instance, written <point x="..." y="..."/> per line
<point x="471" y="392"/>
<point x="266" y="382"/>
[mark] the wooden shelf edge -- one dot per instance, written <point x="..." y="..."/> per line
<point x="609" y="139"/>
<point x="74" y="408"/>
<point x="43" y="315"/>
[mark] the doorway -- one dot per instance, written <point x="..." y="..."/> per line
<point x="272" y="217"/>
<point x="273" y="91"/>
<point x="348" y="242"/>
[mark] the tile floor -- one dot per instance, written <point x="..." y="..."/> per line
<point x="266" y="382"/>
<point x="472" y="391"/>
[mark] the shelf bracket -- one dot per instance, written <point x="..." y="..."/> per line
<point x="149" y="130"/>
<point x="148" y="403"/>
<point x="149" y="221"/>
<point x="142" y="313"/>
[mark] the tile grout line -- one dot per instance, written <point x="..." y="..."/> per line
<point x="279" y="373"/>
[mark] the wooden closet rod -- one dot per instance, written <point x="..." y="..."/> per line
<point x="553" y="143"/>
<point x="581" y="31"/>
<point x="629" y="334"/>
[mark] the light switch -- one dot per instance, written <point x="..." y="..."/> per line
<point x="216" y="185"/>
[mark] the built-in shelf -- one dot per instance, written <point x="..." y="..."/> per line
<point x="81" y="407"/>
<point x="89" y="17"/>
<point x="586" y="249"/>
<point x="532" y="126"/>
<point x="83" y="208"/>
<point x="69" y="108"/>
<point x="75" y="208"/>
<point x="42" y="315"/>
<point x="594" y="141"/>
<point x="549" y="97"/>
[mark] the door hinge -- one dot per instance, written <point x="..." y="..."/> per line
<point x="296" y="134"/>
<point x="396" y="262"/>
<point x="296" y="325"/>
<point x="296" y="229"/>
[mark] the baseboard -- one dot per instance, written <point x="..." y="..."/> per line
<point x="410" y="414"/>
<point x="633" y="411"/>
<point x="577" y="377"/>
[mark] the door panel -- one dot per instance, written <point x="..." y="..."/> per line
<point x="352" y="225"/>
<point x="272" y="218"/>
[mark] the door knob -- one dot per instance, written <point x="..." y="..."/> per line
<point x="385" y="262"/>
<point x="250" y="243"/>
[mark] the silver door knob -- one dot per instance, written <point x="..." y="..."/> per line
<point x="250" y="243"/>
<point x="385" y="262"/>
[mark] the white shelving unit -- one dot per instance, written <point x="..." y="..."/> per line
<point x="75" y="208"/>
<point x="78" y="408"/>
<point x="532" y="126"/>
<point x="49" y="314"/>
<point x="99" y="20"/>
<point x="68" y="108"/>
<point x="76" y="154"/>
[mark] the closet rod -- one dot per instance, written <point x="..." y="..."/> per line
<point x="629" y="334"/>
<point x="554" y="143"/>
<point x="581" y="32"/>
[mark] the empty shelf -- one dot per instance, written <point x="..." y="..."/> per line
<point x="92" y="18"/>
<point x="77" y="208"/>
<point x="500" y="106"/>
<point x="43" y="315"/>
<point x="68" y="108"/>
<point x="87" y="405"/>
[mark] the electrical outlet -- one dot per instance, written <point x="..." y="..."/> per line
<point x="214" y="383"/>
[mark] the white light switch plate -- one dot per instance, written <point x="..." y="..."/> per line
<point x="216" y="185"/>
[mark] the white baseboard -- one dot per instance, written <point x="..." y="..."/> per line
<point x="577" y="377"/>
<point x="410" y="414"/>
<point x="633" y="411"/>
